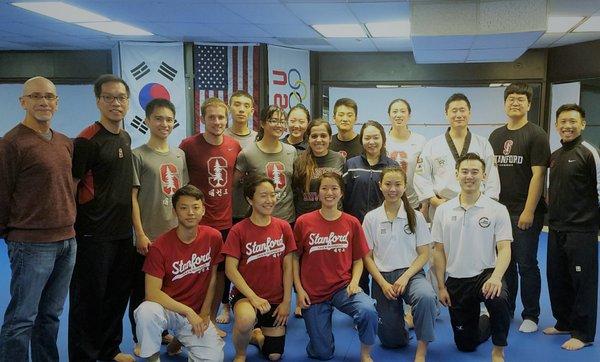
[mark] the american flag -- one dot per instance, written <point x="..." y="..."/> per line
<point x="221" y="70"/>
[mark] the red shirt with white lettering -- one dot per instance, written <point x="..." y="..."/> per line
<point x="327" y="250"/>
<point x="185" y="269"/>
<point x="211" y="170"/>
<point x="260" y="251"/>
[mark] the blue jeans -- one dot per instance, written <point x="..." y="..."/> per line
<point x="524" y="266"/>
<point x="41" y="273"/>
<point x="318" y="322"/>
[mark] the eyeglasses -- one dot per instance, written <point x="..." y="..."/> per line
<point x="38" y="97"/>
<point x="512" y="100"/>
<point x="277" y="122"/>
<point x="109" y="99"/>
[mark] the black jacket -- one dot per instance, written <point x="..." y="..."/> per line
<point x="574" y="191"/>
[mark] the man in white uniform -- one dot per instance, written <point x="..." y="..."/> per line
<point x="434" y="179"/>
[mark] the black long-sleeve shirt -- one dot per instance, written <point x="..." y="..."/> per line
<point x="574" y="191"/>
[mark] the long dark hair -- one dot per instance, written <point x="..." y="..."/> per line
<point x="379" y="127"/>
<point x="410" y="212"/>
<point x="305" y="166"/>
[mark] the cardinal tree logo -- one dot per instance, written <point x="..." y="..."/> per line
<point x="276" y="172"/>
<point x="400" y="157"/>
<point x="169" y="179"/>
<point x="217" y="171"/>
<point x="152" y="90"/>
<point x="507" y="147"/>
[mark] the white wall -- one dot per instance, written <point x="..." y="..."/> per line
<point x="427" y="105"/>
<point x="76" y="108"/>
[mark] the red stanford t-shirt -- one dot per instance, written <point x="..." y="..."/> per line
<point x="185" y="268"/>
<point x="260" y="251"/>
<point x="327" y="250"/>
<point x="211" y="170"/>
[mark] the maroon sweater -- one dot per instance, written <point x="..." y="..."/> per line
<point x="37" y="203"/>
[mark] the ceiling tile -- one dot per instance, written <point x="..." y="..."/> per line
<point x="325" y="13"/>
<point x="271" y="13"/>
<point x="286" y="31"/>
<point x="352" y="44"/>
<point x="380" y="12"/>
<point x="393" y="44"/>
<point x="507" y="40"/>
<point x="442" y="42"/>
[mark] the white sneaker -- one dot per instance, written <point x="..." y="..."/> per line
<point x="528" y="326"/>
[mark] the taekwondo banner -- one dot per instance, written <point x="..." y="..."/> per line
<point x="153" y="70"/>
<point x="289" y="77"/>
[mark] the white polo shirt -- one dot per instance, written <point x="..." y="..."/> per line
<point x="394" y="245"/>
<point x="470" y="236"/>
<point x="435" y="170"/>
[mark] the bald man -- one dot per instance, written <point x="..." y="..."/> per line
<point x="36" y="221"/>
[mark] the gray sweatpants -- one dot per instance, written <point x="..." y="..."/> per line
<point x="420" y="296"/>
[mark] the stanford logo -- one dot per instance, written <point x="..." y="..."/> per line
<point x="276" y="172"/>
<point x="169" y="179"/>
<point x="217" y="171"/>
<point x="400" y="157"/>
<point x="507" y="147"/>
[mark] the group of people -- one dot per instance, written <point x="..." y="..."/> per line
<point x="170" y="229"/>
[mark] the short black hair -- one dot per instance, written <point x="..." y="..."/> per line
<point x="470" y="156"/>
<point x="107" y="78"/>
<point x="456" y="97"/>
<point x="158" y="103"/>
<point x="187" y="190"/>
<point x="519" y="88"/>
<point x="570" y="107"/>
<point x="348" y="102"/>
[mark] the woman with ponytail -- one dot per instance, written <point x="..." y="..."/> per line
<point x="399" y="243"/>
<point x="312" y="163"/>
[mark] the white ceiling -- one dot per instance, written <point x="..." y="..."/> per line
<point x="279" y="22"/>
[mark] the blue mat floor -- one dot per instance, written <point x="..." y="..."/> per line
<point x="522" y="347"/>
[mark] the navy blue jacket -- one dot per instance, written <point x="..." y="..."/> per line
<point x="362" y="190"/>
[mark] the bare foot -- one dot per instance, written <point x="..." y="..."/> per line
<point x="166" y="339"/>
<point x="365" y="353"/>
<point x="137" y="350"/>
<point x="123" y="357"/>
<point x="421" y="351"/>
<point x="553" y="331"/>
<point x="221" y="333"/>
<point x="574" y="344"/>
<point x="223" y="317"/>
<point x="257" y="338"/>
<point x="174" y="348"/>
<point x="408" y="320"/>
<point x="498" y="354"/>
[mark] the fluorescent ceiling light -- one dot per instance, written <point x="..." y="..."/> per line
<point x="591" y="24"/>
<point x="61" y="11"/>
<point x="389" y="29"/>
<point x="115" y="28"/>
<point x="562" y="24"/>
<point x="386" y="86"/>
<point x="340" y="30"/>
